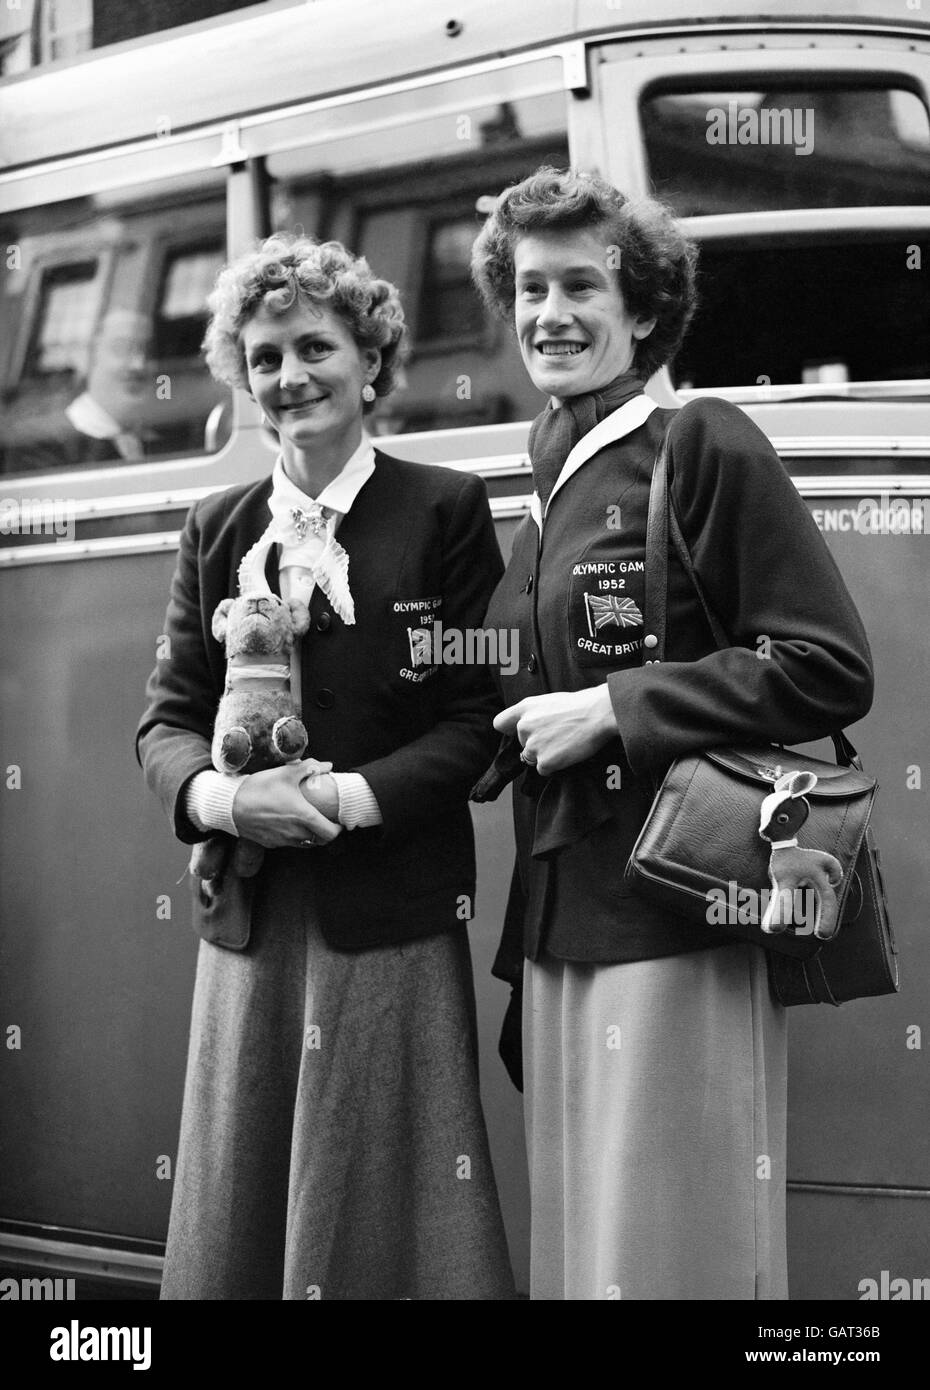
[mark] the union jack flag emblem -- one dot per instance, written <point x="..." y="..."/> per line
<point x="606" y="610"/>
<point x="421" y="646"/>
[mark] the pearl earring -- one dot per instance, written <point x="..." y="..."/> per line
<point x="368" y="393"/>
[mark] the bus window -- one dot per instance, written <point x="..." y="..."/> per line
<point x="103" y="305"/>
<point x="736" y="151"/>
<point x="189" y="276"/>
<point x="397" y="178"/>
<point x="449" y="315"/>
<point x="65" y="319"/>
<point x="805" y="311"/>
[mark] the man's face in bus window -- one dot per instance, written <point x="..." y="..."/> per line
<point x="120" y="377"/>
<point x="573" y="327"/>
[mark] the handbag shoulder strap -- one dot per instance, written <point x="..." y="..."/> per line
<point x="660" y="523"/>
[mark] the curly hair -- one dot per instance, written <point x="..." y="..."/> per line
<point x="656" y="262"/>
<point x="286" y="266"/>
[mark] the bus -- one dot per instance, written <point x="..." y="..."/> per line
<point x="795" y="148"/>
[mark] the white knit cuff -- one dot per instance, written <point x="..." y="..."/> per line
<point x="357" y="802"/>
<point x="209" y="798"/>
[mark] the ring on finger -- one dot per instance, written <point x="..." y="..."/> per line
<point x="524" y="759"/>
<point x="311" y="840"/>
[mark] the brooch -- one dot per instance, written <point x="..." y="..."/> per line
<point x="308" y="519"/>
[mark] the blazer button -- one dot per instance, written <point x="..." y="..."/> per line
<point x="532" y="664"/>
<point x="325" y="699"/>
<point x="324" y="622"/>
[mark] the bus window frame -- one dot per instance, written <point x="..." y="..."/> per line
<point x="903" y="65"/>
<point x="26" y="343"/>
<point x="166" y="250"/>
<point x="21" y="341"/>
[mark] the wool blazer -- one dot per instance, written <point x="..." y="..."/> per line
<point x="799" y="666"/>
<point x="422" y="550"/>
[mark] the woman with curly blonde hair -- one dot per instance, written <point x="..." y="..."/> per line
<point x="332" y="1139"/>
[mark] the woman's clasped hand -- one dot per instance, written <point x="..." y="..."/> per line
<point x="283" y="807"/>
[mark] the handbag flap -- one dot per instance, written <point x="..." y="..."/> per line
<point x="766" y="764"/>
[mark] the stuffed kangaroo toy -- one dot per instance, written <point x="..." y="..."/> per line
<point x="257" y="725"/>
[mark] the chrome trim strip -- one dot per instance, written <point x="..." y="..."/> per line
<point x="502" y="508"/>
<point x="180" y="499"/>
<point x="501" y="466"/>
<point x="107" y="547"/>
<point x="846" y="1189"/>
<point x="99" y="1260"/>
<point x="133" y="505"/>
<point x="219" y="128"/>
<point x="906" y="389"/>
<point x="852" y="446"/>
<point x="98" y="549"/>
<point x="870" y="25"/>
<point x="412" y="447"/>
<point x="866" y="486"/>
<point x="781" y="222"/>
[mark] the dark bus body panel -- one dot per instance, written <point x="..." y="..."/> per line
<point x="99" y="957"/>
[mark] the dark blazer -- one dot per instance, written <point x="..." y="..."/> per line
<point x="799" y="666"/>
<point x="421" y="547"/>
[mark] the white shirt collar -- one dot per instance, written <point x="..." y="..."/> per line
<point x="337" y="495"/>
<point x="89" y="417"/>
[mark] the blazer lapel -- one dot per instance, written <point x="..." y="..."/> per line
<point x="375" y="534"/>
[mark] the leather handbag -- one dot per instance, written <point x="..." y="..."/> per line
<point x="700" y="852"/>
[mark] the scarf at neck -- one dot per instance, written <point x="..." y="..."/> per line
<point x="555" y="432"/>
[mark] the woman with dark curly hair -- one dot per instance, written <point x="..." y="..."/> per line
<point x="332" y="1139"/>
<point x="654" y="1056"/>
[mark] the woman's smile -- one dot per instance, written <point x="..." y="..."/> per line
<point x="298" y="407"/>
<point x="550" y="348"/>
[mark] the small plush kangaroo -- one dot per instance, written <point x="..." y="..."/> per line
<point x="257" y="725"/>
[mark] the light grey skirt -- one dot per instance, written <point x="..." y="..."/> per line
<point x="332" y="1142"/>
<point x="655" y="1110"/>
